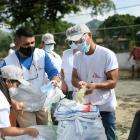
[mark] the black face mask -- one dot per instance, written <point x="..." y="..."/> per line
<point x="27" y="51"/>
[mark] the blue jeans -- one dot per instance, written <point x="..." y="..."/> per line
<point x="109" y="123"/>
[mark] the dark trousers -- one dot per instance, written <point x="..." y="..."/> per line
<point x="69" y="95"/>
<point x="135" y="129"/>
<point x="109" y="123"/>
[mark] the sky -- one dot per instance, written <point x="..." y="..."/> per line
<point x="123" y="7"/>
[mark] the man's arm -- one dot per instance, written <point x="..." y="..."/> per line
<point x="52" y="72"/>
<point x="14" y="131"/>
<point x="131" y="54"/>
<point x="64" y="85"/>
<point x="75" y="79"/>
<point x="50" y="69"/>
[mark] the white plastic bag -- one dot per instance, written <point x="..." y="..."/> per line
<point x="82" y="122"/>
<point x="54" y="95"/>
<point x="32" y="98"/>
<point x="91" y="131"/>
<point x="45" y="133"/>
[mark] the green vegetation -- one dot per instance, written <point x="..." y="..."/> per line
<point x="4" y="43"/>
<point x="42" y="14"/>
<point x="45" y="15"/>
<point x="119" y="32"/>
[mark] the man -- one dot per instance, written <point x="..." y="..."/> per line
<point x="8" y="80"/>
<point x="48" y="45"/>
<point x="34" y="63"/>
<point x="66" y="70"/>
<point x="135" y="61"/>
<point x="96" y="69"/>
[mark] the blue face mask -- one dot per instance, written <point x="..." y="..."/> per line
<point x="83" y="47"/>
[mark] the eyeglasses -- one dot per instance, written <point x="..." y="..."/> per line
<point x="70" y="42"/>
<point x="81" y="40"/>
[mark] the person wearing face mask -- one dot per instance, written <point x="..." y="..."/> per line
<point x="8" y="81"/>
<point x="66" y="69"/>
<point x="48" y="45"/>
<point x="95" y="69"/>
<point x="35" y="63"/>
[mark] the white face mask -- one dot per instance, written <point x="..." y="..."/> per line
<point x="73" y="46"/>
<point x="49" y="47"/>
<point x="13" y="91"/>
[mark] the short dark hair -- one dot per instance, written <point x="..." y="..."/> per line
<point x="24" y="31"/>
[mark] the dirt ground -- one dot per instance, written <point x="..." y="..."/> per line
<point x="128" y="97"/>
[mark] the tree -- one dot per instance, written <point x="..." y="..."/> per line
<point x="119" y="31"/>
<point x="39" y="13"/>
<point x="137" y="30"/>
<point x="5" y="39"/>
<point x="117" y="25"/>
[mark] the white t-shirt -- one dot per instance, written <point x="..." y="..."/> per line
<point x="67" y="66"/>
<point x="4" y="111"/>
<point x="93" y="68"/>
<point x="56" y="60"/>
<point x="10" y="51"/>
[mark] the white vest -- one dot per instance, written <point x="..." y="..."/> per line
<point x="35" y="75"/>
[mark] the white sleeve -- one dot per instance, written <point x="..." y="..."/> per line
<point x="4" y="118"/>
<point x="63" y="61"/>
<point x="75" y="61"/>
<point x="111" y="62"/>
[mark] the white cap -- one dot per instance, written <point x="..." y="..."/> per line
<point x="48" y="38"/>
<point x="12" y="72"/>
<point x="74" y="33"/>
<point x="12" y="45"/>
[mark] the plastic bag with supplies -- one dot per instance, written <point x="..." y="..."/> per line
<point x="45" y="133"/>
<point x="82" y="122"/>
<point x="54" y="95"/>
<point x="91" y="130"/>
<point x="31" y="97"/>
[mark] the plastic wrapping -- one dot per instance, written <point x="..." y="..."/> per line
<point x="54" y="95"/>
<point x="45" y="133"/>
<point x="80" y="121"/>
<point x="34" y="99"/>
<point x="79" y="95"/>
<point x="91" y="130"/>
<point x="31" y="97"/>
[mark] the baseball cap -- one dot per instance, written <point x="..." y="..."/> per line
<point x="74" y="33"/>
<point x="12" y="72"/>
<point x="48" y="38"/>
<point x="12" y="45"/>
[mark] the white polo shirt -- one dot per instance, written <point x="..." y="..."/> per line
<point x="4" y="111"/>
<point x="93" y="68"/>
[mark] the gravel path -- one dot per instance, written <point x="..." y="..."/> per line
<point x="128" y="97"/>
